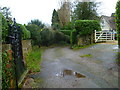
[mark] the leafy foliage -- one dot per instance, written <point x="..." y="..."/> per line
<point x="84" y="27"/>
<point x="73" y="37"/>
<point x="85" y="11"/>
<point x="56" y="26"/>
<point x="4" y="28"/>
<point x="50" y="37"/>
<point x="6" y="12"/>
<point x="69" y="26"/>
<point x="59" y="37"/>
<point x="33" y="59"/>
<point x="46" y="37"/>
<point x="37" y="22"/>
<point x="35" y="27"/>
<point x="66" y="32"/>
<point x="8" y="73"/>
<point x="35" y="34"/>
<point x="64" y="13"/>
<point x="55" y="20"/>
<point x="118" y="21"/>
<point x="25" y="32"/>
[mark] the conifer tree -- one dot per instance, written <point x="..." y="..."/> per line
<point x="85" y="11"/>
<point x="55" y="20"/>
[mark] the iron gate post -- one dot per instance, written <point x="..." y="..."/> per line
<point x="12" y="42"/>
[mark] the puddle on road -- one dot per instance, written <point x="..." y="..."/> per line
<point x="71" y="73"/>
<point x="115" y="47"/>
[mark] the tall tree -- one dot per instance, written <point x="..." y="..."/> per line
<point x="64" y="12"/>
<point x="6" y="12"/>
<point x="55" y="20"/>
<point x="35" y="34"/>
<point x="85" y="11"/>
<point x="37" y="22"/>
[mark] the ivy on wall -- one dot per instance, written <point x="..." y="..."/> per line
<point x="8" y="73"/>
<point x="4" y="28"/>
<point x="118" y="21"/>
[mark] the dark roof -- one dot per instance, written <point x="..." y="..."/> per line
<point x="113" y="15"/>
<point x="110" y="21"/>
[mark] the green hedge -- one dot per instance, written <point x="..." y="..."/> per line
<point x="4" y="28"/>
<point x="49" y="37"/>
<point x="59" y="37"/>
<point x="118" y="21"/>
<point x="69" y="26"/>
<point x="73" y="37"/>
<point x="66" y="32"/>
<point x="84" y="27"/>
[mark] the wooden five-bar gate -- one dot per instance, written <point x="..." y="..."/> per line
<point x="104" y="36"/>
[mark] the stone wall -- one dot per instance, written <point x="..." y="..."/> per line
<point x="85" y="40"/>
<point x="6" y="47"/>
<point x="26" y="46"/>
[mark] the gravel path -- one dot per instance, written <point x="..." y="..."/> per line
<point x="92" y="67"/>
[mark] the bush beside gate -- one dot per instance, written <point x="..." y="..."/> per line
<point x="118" y="21"/>
<point x="85" y="31"/>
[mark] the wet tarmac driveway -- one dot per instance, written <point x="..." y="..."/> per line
<point x="92" y="67"/>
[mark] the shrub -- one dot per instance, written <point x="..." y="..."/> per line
<point x="46" y="37"/>
<point x="56" y="26"/>
<point x="69" y="26"/>
<point x="35" y="34"/>
<point x="73" y="37"/>
<point x="60" y="37"/>
<point x="50" y="37"/>
<point x="66" y="32"/>
<point x="84" y="27"/>
<point x="4" y="28"/>
<point x="25" y="32"/>
<point x="36" y="22"/>
<point x="118" y="21"/>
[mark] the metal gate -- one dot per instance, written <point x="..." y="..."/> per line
<point x="15" y="41"/>
<point x="104" y="36"/>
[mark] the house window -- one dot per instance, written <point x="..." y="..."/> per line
<point x="103" y="23"/>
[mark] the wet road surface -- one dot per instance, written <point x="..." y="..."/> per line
<point x="92" y="67"/>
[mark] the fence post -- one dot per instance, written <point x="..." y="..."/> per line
<point x="106" y="36"/>
<point x="95" y="35"/>
<point x="111" y="35"/>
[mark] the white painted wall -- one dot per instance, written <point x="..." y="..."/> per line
<point x="105" y="25"/>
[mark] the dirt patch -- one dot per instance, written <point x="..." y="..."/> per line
<point x="111" y="42"/>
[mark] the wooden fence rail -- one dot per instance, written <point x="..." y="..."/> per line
<point x="104" y="36"/>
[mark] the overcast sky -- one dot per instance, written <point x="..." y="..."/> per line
<point x="25" y="10"/>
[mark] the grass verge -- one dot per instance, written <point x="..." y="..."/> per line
<point x="0" y="65"/>
<point x="75" y="47"/>
<point x="86" y="55"/>
<point x="33" y="59"/>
